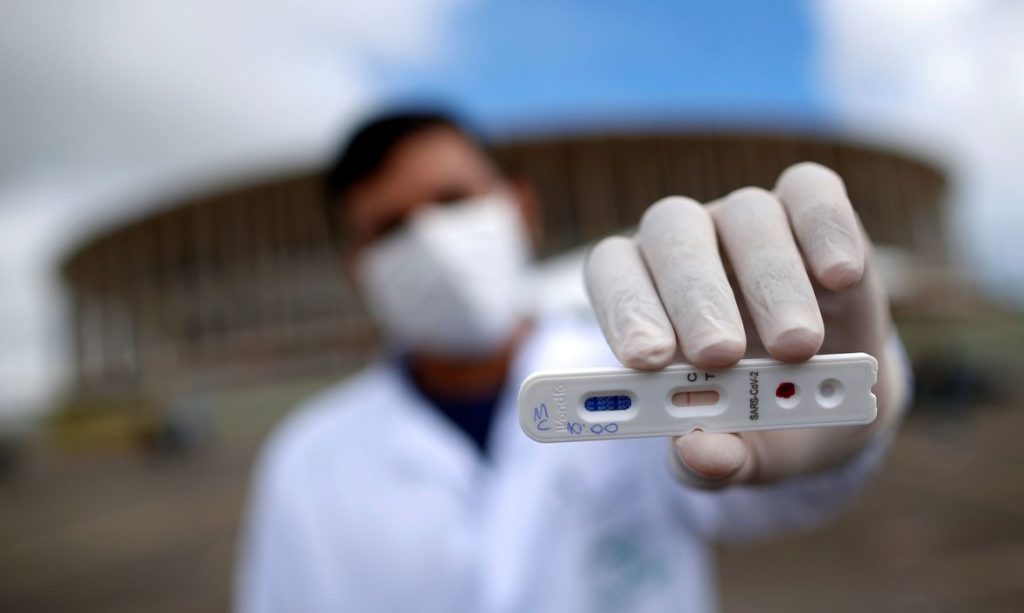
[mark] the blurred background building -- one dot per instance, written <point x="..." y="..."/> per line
<point x="169" y="292"/>
<point x="243" y="284"/>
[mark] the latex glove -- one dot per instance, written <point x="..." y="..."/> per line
<point x="802" y="263"/>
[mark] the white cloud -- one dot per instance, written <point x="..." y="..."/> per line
<point x="107" y="104"/>
<point x="157" y="82"/>
<point x="948" y="74"/>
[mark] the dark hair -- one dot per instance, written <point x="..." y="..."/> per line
<point x="370" y="145"/>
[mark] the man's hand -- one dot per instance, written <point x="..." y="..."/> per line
<point x="803" y="266"/>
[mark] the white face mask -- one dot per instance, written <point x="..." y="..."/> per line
<point x="452" y="281"/>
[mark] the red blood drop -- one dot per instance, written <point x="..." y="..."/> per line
<point x="785" y="390"/>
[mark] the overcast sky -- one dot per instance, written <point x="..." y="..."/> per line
<point x="110" y="105"/>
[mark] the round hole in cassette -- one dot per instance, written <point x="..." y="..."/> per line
<point x="830" y="393"/>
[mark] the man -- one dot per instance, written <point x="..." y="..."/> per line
<point x="411" y="488"/>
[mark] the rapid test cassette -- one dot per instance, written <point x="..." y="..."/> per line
<point x="756" y="394"/>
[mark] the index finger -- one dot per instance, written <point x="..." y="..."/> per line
<point x="627" y="305"/>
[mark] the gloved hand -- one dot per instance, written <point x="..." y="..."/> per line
<point x="803" y="266"/>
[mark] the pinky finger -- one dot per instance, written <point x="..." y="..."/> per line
<point x="824" y="223"/>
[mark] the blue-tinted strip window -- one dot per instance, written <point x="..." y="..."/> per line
<point x="607" y="403"/>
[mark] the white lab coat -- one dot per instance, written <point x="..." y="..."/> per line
<point x="369" y="500"/>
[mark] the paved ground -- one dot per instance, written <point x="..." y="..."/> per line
<point x="941" y="530"/>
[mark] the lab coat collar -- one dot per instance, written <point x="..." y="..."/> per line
<point x="419" y="443"/>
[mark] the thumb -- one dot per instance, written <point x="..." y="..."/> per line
<point x="712" y="461"/>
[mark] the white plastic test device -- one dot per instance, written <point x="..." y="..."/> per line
<point x="756" y="394"/>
